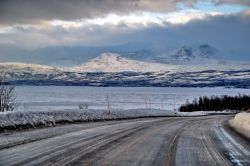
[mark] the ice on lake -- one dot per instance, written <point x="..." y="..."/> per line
<point x="48" y="98"/>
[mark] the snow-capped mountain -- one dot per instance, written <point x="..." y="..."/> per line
<point x="191" y="55"/>
<point x="67" y="56"/>
<point x="112" y="62"/>
<point x="114" y="70"/>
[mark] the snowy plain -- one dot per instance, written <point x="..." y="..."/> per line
<point x="50" y="105"/>
<point x="49" y="98"/>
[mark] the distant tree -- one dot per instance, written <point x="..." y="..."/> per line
<point x="215" y="103"/>
<point x="7" y="97"/>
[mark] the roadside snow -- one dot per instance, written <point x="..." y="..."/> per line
<point x="204" y="113"/>
<point x="32" y="119"/>
<point x="241" y="123"/>
<point x="15" y="120"/>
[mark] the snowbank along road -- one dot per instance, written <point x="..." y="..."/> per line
<point x="160" y="141"/>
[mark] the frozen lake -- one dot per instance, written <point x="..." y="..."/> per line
<point x="47" y="98"/>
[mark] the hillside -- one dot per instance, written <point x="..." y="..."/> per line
<point x="111" y="62"/>
<point x="111" y="69"/>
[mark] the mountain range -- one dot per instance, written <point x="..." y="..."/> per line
<point x="190" y="55"/>
<point x="185" y="66"/>
<point x="112" y="69"/>
<point x="62" y="56"/>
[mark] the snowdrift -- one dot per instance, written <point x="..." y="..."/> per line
<point x="241" y="123"/>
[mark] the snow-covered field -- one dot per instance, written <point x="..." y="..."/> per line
<point x="241" y="123"/>
<point x="48" y="98"/>
<point x="48" y="105"/>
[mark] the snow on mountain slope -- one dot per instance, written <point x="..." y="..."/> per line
<point x="26" y="67"/>
<point x="111" y="62"/>
<point x="114" y="70"/>
<point x="191" y="56"/>
<point x="186" y="59"/>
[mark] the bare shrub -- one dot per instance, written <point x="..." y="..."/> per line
<point x="7" y="97"/>
<point x="83" y="106"/>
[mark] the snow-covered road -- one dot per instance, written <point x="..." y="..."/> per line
<point x="158" y="141"/>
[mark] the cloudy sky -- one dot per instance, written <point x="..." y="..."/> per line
<point x="32" y="24"/>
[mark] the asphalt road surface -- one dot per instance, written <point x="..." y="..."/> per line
<point x="159" y="141"/>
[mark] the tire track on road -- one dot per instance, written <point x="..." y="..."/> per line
<point x="164" y="141"/>
<point x="114" y="153"/>
<point x="69" y="142"/>
<point x="197" y="147"/>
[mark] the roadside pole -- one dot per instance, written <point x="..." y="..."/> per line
<point x="108" y="104"/>
<point x="174" y="107"/>
<point x="149" y="103"/>
<point x="162" y="104"/>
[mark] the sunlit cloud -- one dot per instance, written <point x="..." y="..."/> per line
<point x="92" y="23"/>
<point x="137" y="20"/>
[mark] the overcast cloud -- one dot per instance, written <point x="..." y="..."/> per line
<point x="242" y="2"/>
<point x="19" y="11"/>
<point x="32" y="24"/>
<point x="37" y="11"/>
<point x="230" y="34"/>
